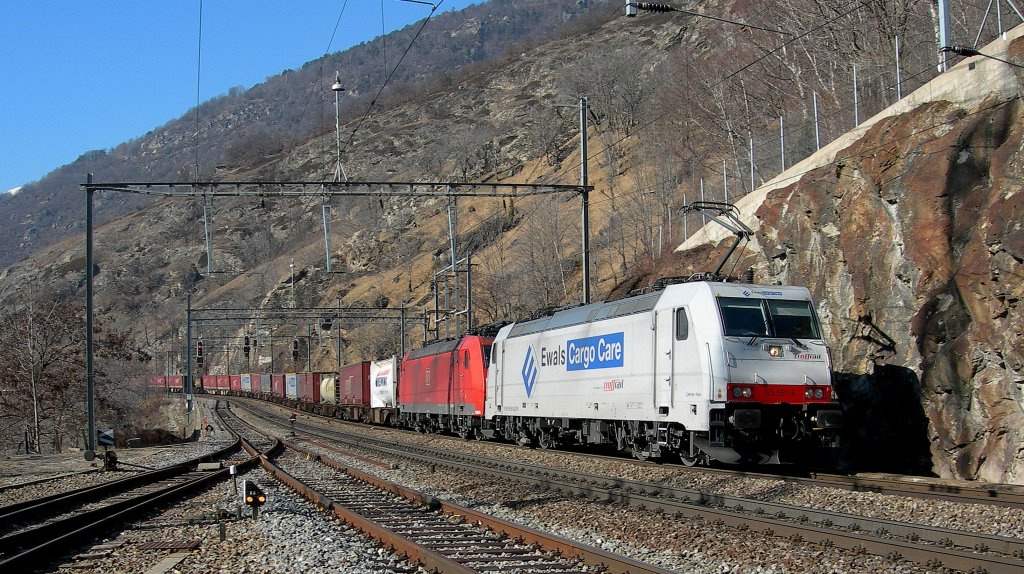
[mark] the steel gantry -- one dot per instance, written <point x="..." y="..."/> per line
<point x="240" y="318"/>
<point x="208" y="190"/>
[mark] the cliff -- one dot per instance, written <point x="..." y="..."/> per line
<point x="910" y="233"/>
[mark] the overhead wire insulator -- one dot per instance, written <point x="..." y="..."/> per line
<point x="652" y="7"/>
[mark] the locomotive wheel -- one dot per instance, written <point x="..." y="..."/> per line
<point x="690" y="460"/>
<point x="547" y="440"/>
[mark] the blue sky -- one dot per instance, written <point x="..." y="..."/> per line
<point x="80" y="75"/>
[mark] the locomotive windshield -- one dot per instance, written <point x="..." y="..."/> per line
<point x="768" y="318"/>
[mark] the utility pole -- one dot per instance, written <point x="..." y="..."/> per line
<point x="90" y="373"/>
<point x="339" y="170"/>
<point x="943" y="33"/>
<point x="188" y="353"/>
<point x="586" y="200"/>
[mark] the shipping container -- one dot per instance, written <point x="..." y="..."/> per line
<point x="277" y="385"/>
<point x="353" y="387"/>
<point x="383" y="383"/>
<point x="291" y="385"/>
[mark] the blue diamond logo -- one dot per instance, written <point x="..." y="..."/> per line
<point x="529" y="371"/>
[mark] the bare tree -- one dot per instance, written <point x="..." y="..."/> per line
<point x="41" y="363"/>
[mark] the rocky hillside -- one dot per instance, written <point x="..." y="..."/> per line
<point x="910" y="232"/>
<point x="244" y="128"/>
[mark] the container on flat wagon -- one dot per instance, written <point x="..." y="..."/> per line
<point x="383" y="382"/>
<point x="291" y="385"/>
<point x="353" y="387"/>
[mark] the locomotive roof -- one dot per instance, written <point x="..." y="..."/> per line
<point x="646" y="302"/>
<point x="587" y="314"/>
<point x="434" y="349"/>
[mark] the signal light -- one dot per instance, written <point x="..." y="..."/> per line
<point x="245" y="347"/>
<point x="253" y="496"/>
<point x="199" y="352"/>
<point x="295" y="349"/>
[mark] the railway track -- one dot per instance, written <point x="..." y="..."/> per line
<point x="931" y="546"/>
<point x="1004" y="495"/>
<point x="438" y="535"/>
<point x="34" y="532"/>
<point x="44" y="480"/>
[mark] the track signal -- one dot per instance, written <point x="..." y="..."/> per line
<point x="254" y="497"/>
<point x="245" y="347"/>
<point x="295" y="349"/>
<point x="199" y="352"/>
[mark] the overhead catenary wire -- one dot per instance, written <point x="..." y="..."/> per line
<point x="387" y="80"/>
<point x="199" y="75"/>
<point x="859" y="4"/>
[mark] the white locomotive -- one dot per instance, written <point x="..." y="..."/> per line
<point x="726" y="371"/>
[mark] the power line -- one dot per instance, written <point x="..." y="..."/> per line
<point x="199" y="69"/>
<point x="387" y="80"/>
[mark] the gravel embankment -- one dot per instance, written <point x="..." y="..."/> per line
<point x="70" y="471"/>
<point x="982" y="518"/>
<point x="290" y="536"/>
<point x="678" y="545"/>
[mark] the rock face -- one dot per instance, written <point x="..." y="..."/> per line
<point x="912" y="240"/>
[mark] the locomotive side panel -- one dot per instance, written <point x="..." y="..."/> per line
<point x="600" y="370"/>
<point x="425" y="384"/>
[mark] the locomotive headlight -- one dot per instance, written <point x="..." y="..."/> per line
<point x="818" y="393"/>
<point x="742" y="392"/>
<point x="774" y="350"/>
<point x="808" y="393"/>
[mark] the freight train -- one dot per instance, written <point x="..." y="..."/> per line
<point x="697" y="372"/>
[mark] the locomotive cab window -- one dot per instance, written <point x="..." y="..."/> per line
<point x="768" y="318"/>
<point x="486" y="350"/>
<point x="793" y="319"/>
<point x="465" y="359"/>
<point x="743" y="317"/>
<point x="682" y="325"/>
